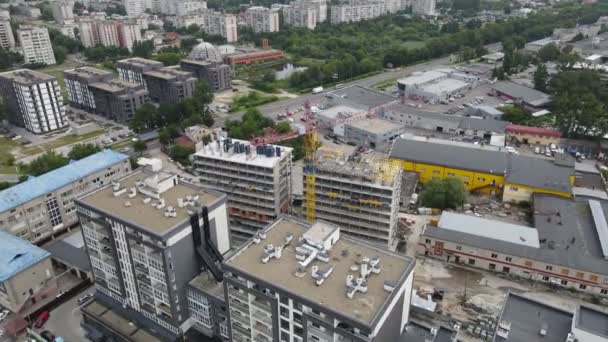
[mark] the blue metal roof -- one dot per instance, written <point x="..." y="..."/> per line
<point x="50" y="181"/>
<point x="17" y="255"/>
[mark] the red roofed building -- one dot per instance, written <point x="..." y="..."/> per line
<point x="185" y="142"/>
<point x="533" y="135"/>
<point x="254" y="56"/>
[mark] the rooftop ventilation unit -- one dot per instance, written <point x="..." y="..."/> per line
<point x="115" y="185"/>
<point x="570" y="337"/>
<point x="504" y="327"/>
<point x="320" y="275"/>
<point x="146" y="200"/>
<point x="117" y="193"/>
<point x="132" y="193"/>
<point x="355" y="285"/>
<point x="270" y="251"/>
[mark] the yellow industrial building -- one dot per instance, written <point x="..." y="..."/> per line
<point x="484" y="169"/>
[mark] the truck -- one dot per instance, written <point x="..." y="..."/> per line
<point x="317" y="90"/>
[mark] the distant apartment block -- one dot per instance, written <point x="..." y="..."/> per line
<point x="36" y="45"/>
<point x="182" y="7"/>
<point x="257" y="180"/>
<point x="144" y="236"/>
<point x="27" y="280"/>
<point x="129" y="34"/>
<point x="133" y="69"/>
<point x="7" y="39"/>
<point x="262" y="19"/>
<point x="217" y="74"/>
<point x="169" y="84"/>
<point x="77" y="83"/>
<point x="87" y="28"/>
<point x="63" y="12"/>
<point x="221" y="24"/>
<point x="305" y="13"/>
<point x="107" y="32"/>
<point x="356" y="10"/>
<point x="119" y="33"/>
<point x="118" y="100"/>
<point x="42" y="207"/>
<point x="34" y="100"/>
<point x="137" y="7"/>
<point x="424" y="7"/>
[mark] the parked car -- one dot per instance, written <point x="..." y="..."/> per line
<point x="84" y="298"/>
<point x="42" y="318"/>
<point x="61" y="293"/>
<point x="47" y="335"/>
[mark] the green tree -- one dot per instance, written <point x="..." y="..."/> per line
<point x="81" y="151"/>
<point x="45" y="163"/>
<point x="203" y="94"/>
<point x="79" y="7"/>
<point x="169" y="58"/>
<point x="541" y="77"/>
<point x="549" y="52"/>
<point x="143" y="49"/>
<point x="9" y="58"/>
<point x="145" y="118"/>
<point x="60" y="53"/>
<point x="282" y="127"/>
<point x="181" y="154"/>
<point x="448" y="193"/>
<point x="139" y="146"/>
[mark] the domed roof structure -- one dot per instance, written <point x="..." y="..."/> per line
<point x="205" y="51"/>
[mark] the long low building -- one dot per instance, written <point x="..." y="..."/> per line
<point x="529" y="97"/>
<point x="483" y="169"/>
<point x="43" y="206"/>
<point x="562" y="249"/>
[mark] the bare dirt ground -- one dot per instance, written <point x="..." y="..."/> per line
<point x="472" y="293"/>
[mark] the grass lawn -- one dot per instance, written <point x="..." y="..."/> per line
<point x="65" y="140"/>
<point x="121" y="144"/>
<point x="6" y="145"/>
<point x="413" y="44"/>
<point x="5" y="169"/>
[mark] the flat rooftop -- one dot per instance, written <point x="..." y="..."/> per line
<point x="503" y="231"/>
<point x="375" y="125"/>
<point x="340" y="111"/>
<point x="168" y="73"/>
<point x="26" y="76"/>
<point x="370" y="169"/>
<point x="145" y="215"/>
<point x="527" y="317"/>
<point x="591" y="320"/>
<point x="447" y="85"/>
<point x="70" y="250"/>
<point x="205" y="283"/>
<point x="141" y="62"/>
<point x="116" y="85"/>
<point x="86" y="72"/>
<point x="215" y="150"/>
<point x="116" y="322"/>
<point x="422" y="77"/>
<point x="345" y="254"/>
<point x="359" y="96"/>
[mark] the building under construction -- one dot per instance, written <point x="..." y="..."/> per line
<point x="361" y="196"/>
<point x="256" y="178"/>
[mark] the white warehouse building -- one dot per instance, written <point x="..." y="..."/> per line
<point x="435" y="85"/>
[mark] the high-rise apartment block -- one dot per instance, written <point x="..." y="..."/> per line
<point x="221" y="24"/>
<point x="300" y="282"/>
<point x="129" y="33"/>
<point x="137" y="7"/>
<point x="7" y="39"/>
<point x="217" y="74"/>
<point x="356" y="10"/>
<point x="77" y="82"/>
<point x="41" y="207"/>
<point x="63" y="12"/>
<point x="133" y="69"/>
<point x="34" y="100"/>
<point x="361" y="197"/>
<point x="108" y="33"/>
<point x="169" y="84"/>
<point x="118" y="100"/>
<point x="120" y="33"/>
<point x="147" y="236"/>
<point x="262" y="19"/>
<point x="182" y="7"/>
<point x="425" y="7"/>
<point x="257" y="180"/>
<point x="87" y="29"/>
<point x="36" y="45"/>
<point x="305" y="13"/>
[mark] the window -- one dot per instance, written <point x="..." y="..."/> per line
<point x="582" y="286"/>
<point x="508" y="259"/>
<point x="494" y="255"/>
<point x="604" y="291"/>
<point x="580" y="275"/>
<point x="545" y="278"/>
<point x="451" y="174"/>
<point x="458" y="248"/>
<point x="528" y="263"/>
<point x="506" y="269"/>
<point x="492" y="267"/>
<point x="549" y="268"/>
<point x="565" y="271"/>
<point x="436" y="172"/>
<point x="427" y="241"/>
<point x="593" y="278"/>
<point x="512" y="188"/>
<point x="471" y="261"/>
<point x="481" y="179"/>
<point x="564" y="282"/>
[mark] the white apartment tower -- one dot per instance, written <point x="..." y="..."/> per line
<point x="221" y="24"/>
<point x="425" y="7"/>
<point x="87" y="28"/>
<point x="262" y="19"/>
<point x="305" y="13"/>
<point x="136" y="7"/>
<point x="63" y="12"/>
<point x="129" y="33"/>
<point x="257" y="180"/>
<point x="357" y="11"/>
<point x="108" y="33"/>
<point x="36" y="45"/>
<point x="7" y="40"/>
<point x="34" y="100"/>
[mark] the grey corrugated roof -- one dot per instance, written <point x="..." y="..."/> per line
<point x="539" y="173"/>
<point x="68" y="253"/>
<point x="486" y="125"/>
<point x="362" y="96"/>
<point x="527" y="316"/>
<point x="526" y="94"/>
<point x="592" y="320"/>
<point x="556" y="232"/>
<point x="601" y="227"/>
<point x="459" y="157"/>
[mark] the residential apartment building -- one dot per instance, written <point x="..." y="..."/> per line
<point x="221" y="24"/>
<point x="87" y="30"/>
<point x="7" y="39"/>
<point x="486" y="169"/>
<point x="182" y="7"/>
<point x="41" y="207"/>
<point x="169" y="84"/>
<point x="77" y="83"/>
<point x="424" y="7"/>
<point x="129" y="33"/>
<point x="305" y="13"/>
<point x="138" y="7"/>
<point x="146" y="236"/>
<point x="107" y="32"/>
<point x="257" y="180"/>
<point x="118" y="100"/>
<point x="562" y="248"/>
<point x="184" y="21"/>
<point x="63" y="12"/>
<point x="216" y="74"/>
<point x="262" y="19"/>
<point x="357" y="10"/>
<point x="27" y="280"/>
<point x="359" y="293"/>
<point x="36" y="45"/>
<point x="34" y="100"/>
<point x="362" y="198"/>
<point x="133" y="69"/>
